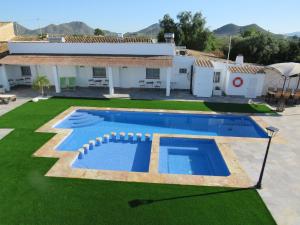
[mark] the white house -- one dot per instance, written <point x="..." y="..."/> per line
<point x="108" y="62"/>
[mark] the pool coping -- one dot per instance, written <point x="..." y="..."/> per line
<point x="63" y="168"/>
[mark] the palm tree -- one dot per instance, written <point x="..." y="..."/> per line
<point x="40" y="83"/>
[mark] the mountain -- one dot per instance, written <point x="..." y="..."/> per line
<point x="232" y="29"/>
<point x="74" y="27"/>
<point x="151" y="31"/>
<point x="293" y="34"/>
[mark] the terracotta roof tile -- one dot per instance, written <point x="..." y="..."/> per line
<point x="106" y="39"/>
<point x="149" y="61"/>
<point x="251" y="69"/>
<point x="90" y="39"/>
<point x="203" y="62"/>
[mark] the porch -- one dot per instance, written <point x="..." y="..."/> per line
<point x="95" y="72"/>
<point x="130" y="93"/>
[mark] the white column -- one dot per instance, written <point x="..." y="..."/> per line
<point x="3" y="78"/>
<point x="110" y="80"/>
<point x="168" y="81"/>
<point x="56" y="79"/>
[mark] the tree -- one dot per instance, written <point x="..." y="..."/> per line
<point x="98" y="32"/>
<point x="189" y="31"/>
<point x="40" y="83"/>
<point x="167" y="25"/>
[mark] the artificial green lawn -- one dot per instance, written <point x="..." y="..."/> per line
<point x="28" y="197"/>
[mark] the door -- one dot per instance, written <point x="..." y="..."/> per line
<point x="251" y="88"/>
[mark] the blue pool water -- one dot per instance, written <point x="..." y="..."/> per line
<point x="117" y="155"/>
<point x="89" y="124"/>
<point x="191" y="156"/>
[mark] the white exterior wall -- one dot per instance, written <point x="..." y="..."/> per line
<point x="130" y="77"/>
<point x="203" y="81"/>
<point x="166" y="49"/>
<point x="252" y="85"/>
<point x="221" y="67"/>
<point x="182" y="81"/>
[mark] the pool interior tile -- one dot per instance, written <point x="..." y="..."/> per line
<point x="63" y="167"/>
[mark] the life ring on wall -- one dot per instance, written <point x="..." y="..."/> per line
<point x="237" y="82"/>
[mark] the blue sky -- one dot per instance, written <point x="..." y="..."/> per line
<point x="278" y="16"/>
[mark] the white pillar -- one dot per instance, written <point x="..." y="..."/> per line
<point x="168" y="81"/>
<point x="110" y="80"/>
<point x="3" y="78"/>
<point x="56" y="79"/>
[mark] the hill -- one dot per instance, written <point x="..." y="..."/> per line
<point x="151" y="31"/>
<point x="75" y="27"/>
<point x="293" y="34"/>
<point x="232" y="29"/>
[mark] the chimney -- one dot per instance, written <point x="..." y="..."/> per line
<point x="239" y="60"/>
<point x="169" y="37"/>
<point x="56" y="39"/>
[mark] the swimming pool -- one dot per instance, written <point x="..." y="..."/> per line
<point x="89" y="124"/>
<point x="191" y="156"/>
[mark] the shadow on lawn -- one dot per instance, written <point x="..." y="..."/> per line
<point x="140" y="202"/>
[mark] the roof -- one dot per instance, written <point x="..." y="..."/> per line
<point x="203" y="62"/>
<point x="89" y="39"/>
<point x="4" y="23"/>
<point x="250" y="69"/>
<point x="106" y="39"/>
<point x="88" y="60"/>
<point x="3" y="47"/>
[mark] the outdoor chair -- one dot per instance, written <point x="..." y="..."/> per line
<point x="277" y="95"/>
<point x="141" y="83"/>
<point x="63" y="83"/>
<point x="91" y="83"/>
<point x="157" y="84"/>
<point x="105" y="83"/>
<point x="149" y="84"/>
<point x="296" y="97"/>
<point x="270" y="94"/>
<point x="12" y="82"/>
<point x="72" y="83"/>
<point x="286" y="96"/>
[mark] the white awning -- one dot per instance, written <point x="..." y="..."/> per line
<point x="287" y="69"/>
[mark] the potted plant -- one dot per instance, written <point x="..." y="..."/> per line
<point x="40" y="83"/>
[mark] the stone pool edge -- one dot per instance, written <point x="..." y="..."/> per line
<point x="62" y="168"/>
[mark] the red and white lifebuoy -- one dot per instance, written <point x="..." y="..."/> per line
<point x="237" y="82"/>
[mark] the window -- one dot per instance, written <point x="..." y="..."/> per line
<point x="217" y="76"/>
<point x="183" y="70"/>
<point x="25" y="71"/>
<point x="152" y="73"/>
<point x="99" y="72"/>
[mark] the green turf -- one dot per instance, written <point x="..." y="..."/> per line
<point x="28" y="197"/>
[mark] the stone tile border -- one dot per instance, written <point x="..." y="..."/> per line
<point x="63" y="168"/>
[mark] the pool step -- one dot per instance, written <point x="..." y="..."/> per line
<point x="84" y="120"/>
<point x="112" y="138"/>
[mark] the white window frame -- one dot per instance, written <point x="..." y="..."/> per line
<point x="180" y="70"/>
<point x="217" y="77"/>
<point x="104" y="75"/>
<point x="151" y="74"/>
<point x="26" y="68"/>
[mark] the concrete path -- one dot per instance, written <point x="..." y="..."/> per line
<point x="281" y="182"/>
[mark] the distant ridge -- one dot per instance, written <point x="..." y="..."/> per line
<point x="233" y="29"/>
<point x="151" y="31"/>
<point x="72" y="28"/>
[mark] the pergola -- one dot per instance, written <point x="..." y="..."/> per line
<point x="288" y="71"/>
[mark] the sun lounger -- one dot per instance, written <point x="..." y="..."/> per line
<point x="6" y="98"/>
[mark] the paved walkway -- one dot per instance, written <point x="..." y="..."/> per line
<point x="281" y="182"/>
